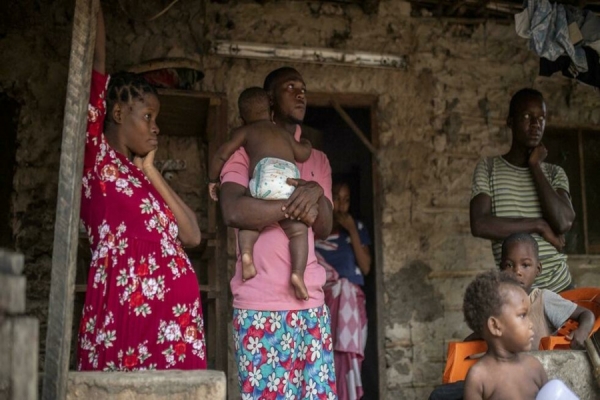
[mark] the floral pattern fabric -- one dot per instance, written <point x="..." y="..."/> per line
<point x="142" y="309"/>
<point x="284" y="354"/>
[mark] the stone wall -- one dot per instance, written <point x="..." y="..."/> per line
<point x="436" y="119"/>
<point x="18" y="333"/>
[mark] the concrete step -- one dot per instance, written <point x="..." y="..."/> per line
<point x="147" y="385"/>
<point x="573" y="367"/>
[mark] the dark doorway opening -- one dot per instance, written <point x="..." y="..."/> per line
<point x="352" y="162"/>
<point x="9" y="114"/>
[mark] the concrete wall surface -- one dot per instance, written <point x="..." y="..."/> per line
<point x="573" y="368"/>
<point x="435" y="120"/>
<point x="147" y="385"/>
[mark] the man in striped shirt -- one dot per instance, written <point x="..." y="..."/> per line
<point x="518" y="192"/>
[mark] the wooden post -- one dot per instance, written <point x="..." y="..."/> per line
<point x="66" y="229"/>
<point x="586" y="235"/>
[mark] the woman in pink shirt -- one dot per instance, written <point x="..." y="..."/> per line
<point x="283" y="345"/>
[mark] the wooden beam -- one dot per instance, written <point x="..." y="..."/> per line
<point x="66" y="228"/>
<point x="379" y="262"/>
<point x="354" y="128"/>
<point x="453" y="20"/>
<point x="352" y="100"/>
<point x="586" y="235"/>
<point x="482" y="8"/>
<point x="455" y="7"/>
<point x="370" y="6"/>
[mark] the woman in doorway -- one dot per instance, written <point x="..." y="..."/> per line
<point x="346" y="250"/>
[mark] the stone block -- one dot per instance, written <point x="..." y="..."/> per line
<point x="5" y="356"/>
<point x="573" y="368"/>
<point x="11" y="263"/>
<point x="147" y="385"/>
<point x="12" y="294"/>
<point x="24" y="363"/>
<point x="19" y="354"/>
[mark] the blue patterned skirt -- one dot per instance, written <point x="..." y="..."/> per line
<point x="284" y="354"/>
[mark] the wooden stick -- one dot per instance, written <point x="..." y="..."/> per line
<point x="354" y="128"/>
<point x="594" y="357"/>
<point x="586" y="237"/>
<point x="66" y="229"/>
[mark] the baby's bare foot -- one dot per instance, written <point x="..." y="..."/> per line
<point x="248" y="270"/>
<point x="299" y="287"/>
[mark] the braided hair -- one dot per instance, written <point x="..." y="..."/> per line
<point x="124" y="87"/>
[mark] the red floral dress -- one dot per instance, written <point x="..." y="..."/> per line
<point x="142" y="308"/>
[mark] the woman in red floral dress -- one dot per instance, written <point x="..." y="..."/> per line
<point x="142" y="309"/>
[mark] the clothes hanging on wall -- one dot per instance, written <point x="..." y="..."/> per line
<point x="563" y="64"/>
<point x="557" y="30"/>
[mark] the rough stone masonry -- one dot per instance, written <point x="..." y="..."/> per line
<point x="435" y="120"/>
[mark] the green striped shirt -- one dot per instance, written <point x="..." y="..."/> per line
<point x="513" y="195"/>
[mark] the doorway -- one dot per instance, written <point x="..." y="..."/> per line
<point x="9" y="113"/>
<point x="352" y="162"/>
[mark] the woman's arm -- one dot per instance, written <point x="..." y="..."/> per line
<point x="361" y="252"/>
<point x="189" y="231"/>
<point x="100" y="48"/>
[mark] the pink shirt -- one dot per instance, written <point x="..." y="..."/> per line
<point x="270" y="289"/>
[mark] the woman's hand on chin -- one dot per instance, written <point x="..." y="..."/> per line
<point x="146" y="163"/>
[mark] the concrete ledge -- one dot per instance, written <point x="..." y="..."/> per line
<point x="573" y="368"/>
<point x="147" y="385"/>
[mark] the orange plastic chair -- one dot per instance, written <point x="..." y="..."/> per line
<point x="589" y="298"/>
<point x="459" y="361"/>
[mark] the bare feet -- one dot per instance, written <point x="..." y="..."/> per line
<point x="248" y="270"/>
<point x="299" y="287"/>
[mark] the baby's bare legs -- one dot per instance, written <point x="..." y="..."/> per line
<point x="246" y="239"/>
<point x="297" y="232"/>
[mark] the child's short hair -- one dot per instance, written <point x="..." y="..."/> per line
<point x="519" y="238"/>
<point x="519" y="96"/>
<point x="483" y="298"/>
<point x="125" y="87"/>
<point x="274" y="75"/>
<point x="253" y="102"/>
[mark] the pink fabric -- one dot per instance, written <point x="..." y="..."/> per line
<point x="346" y="302"/>
<point x="270" y="289"/>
